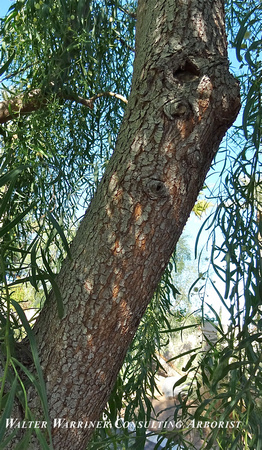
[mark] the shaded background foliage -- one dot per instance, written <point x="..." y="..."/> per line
<point x="64" y="50"/>
<point x="50" y="163"/>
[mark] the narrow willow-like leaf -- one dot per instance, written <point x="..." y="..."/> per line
<point x="220" y="297"/>
<point x="24" y="443"/>
<point x="30" y="335"/>
<point x="11" y="175"/>
<point x="184" y="354"/>
<point x="241" y="33"/>
<point x="5" y="66"/>
<point x="6" y="414"/>
<point x="60" y="232"/>
<point x="182" y="328"/>
<point x="6" y="199"/>
<point x="51" y="278"/>
<point x="15" y="221"/>
<point x="33" y="278"/>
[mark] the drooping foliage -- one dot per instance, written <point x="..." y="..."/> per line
<point x="227" y="380"/>
<point x="69" y="63"/>
<point x="54" y="54"/>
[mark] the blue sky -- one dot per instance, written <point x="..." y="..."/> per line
<point x="193" y="223"/>
<point x="4" y="6"/>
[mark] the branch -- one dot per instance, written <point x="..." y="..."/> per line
<point x="90" y="101"/>
<point x="11" y="108"/>
<point x="128" y="12"/>
<point x="32" y="101"/>
<point x="125" y="44"/>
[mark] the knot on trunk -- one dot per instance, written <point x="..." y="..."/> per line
<point x="176" y="108"/>
<point x="156" y="189"/>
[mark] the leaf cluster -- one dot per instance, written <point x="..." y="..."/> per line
<point x="52" y="158"/>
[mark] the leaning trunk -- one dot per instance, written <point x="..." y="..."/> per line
<point x="182" y="102"/>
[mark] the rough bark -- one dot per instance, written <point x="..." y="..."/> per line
<point x="183" y="100"/>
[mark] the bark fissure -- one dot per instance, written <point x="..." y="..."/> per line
<point x="182" y="101"/>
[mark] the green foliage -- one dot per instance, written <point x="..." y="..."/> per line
<point x="64" y="58"/>
<point x="62" y="50"/>
<point x="224" y="378"/>
<point x="244" y="25"/>
<point x="227" y="381"/>
<point x="51" y="161"/>
<point x="16" y="378"/>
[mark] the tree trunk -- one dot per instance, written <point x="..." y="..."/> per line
<point x="182" y="102"/>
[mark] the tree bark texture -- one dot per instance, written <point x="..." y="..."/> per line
<point x="183" y="100"/>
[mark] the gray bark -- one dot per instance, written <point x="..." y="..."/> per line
<point x="183" y="100"/>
